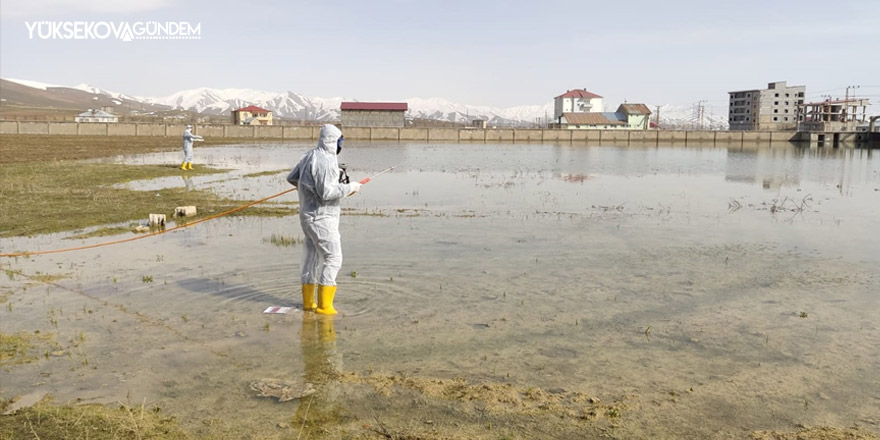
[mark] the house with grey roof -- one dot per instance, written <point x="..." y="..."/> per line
<point x="93" y="115"/>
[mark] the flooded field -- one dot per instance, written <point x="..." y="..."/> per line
<point x="488" y="291"/>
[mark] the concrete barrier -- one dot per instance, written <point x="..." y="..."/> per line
<point x="729" y="137"/>
<point x="472" y="135"/>
<point x="591" y="136"/>
<point x="500" y="134"/>
<point x="122" y="129"/>
<point x="299" y="133"/>
<point x="384" y="134"/>
<point x="615" y="136"/>
<point x="175" y="130"/>
<point x="67" y="128"/>
<point x="528" y="135"/>
<point x="667" y="136"/>
<point x="443" y="134"/>
<point x="150" y="130"/>
<point x="92" y="128"/>
<point x="33" y="127"/>
<point x="783" y="136"/>
<point x="8" y="127"/>
<point x="240" y="131"/>
<point x="643" y="136"/>
<point x="414" y="134"/>
<point x="756" y="136"/>
<point x="206" y="131"/>
<point x="361" y="133"/>
<point x="423" y="134"/>
<point x="268" y="131"/>
<point x="700" y="137"/>
<point x="557" y="135"/>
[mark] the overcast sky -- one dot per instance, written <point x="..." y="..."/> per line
<point x="497" y="53"/>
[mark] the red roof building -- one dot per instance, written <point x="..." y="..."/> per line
<point x="252" y="115"/>
<point x="579" y="93"/>
<point x="253" y="109"/>
<point x="576" y="101"/>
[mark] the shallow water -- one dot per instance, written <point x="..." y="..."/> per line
<point x="696" y="292"/>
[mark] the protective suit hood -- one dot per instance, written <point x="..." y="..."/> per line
<point x="328" y="137"/>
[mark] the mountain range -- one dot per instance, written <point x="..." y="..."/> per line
<point x="291" y="105"/>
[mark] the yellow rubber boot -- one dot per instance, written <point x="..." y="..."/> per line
<point x="189" y="165"/>
<point x="183" y="166"/>
<point x="325" y="300"/>
<point x="309" y="304"/>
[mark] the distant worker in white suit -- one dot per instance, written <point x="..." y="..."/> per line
<point x="316" y="178"/>
<point x="188" y="139"/>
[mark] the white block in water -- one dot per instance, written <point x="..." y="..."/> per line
<point x="184" y="211"/>
<point x="157" y="219"/>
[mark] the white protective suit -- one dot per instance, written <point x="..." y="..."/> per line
<point x="316" y="178"/>
<point x="188" y="139"/>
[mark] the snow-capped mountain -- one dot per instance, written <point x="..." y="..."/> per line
<point x="291" y="105"/>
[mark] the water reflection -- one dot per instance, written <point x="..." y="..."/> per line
<point x="322" y="367"/>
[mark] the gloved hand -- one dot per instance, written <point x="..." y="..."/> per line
<point x="355" y="187"/>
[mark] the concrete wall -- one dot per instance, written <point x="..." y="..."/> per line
<point x="556" y="135"/>
<point x="472" y="135"/>
<point x="617" y="136"/>
<point x="122" y="129"/>
<point x="268" y="131"/>
<point x="357" y="133"/>
<point x="783" y="136"/>
<point x="301" y="133"/>
<point x="646" y="136"/>
<point x="414" y="134"/>
<point x="62" y="128"/>
<point x="590" y="136"/>
<point x="33" y="128"/>
<point x="700" y="137"/>
<point x="384" y="134"/>
<point x="665" y="136"/>
<point x="151" y="129"/>
<point x="9" y="127"/>
<point x="756" y="136"/>
<point x="93" y="128"/>
<point x="209" y="130"/>
<point x="443" y="134"/>
<point x="304" y="133"/>
<point x="239" y="131"/>
<point x="499" y="135"/>
<point x="729" y="137"/>
<point x="527" y="135"/>
<point x="175" y="130"/>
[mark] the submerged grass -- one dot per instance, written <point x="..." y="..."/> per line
<point x="22" y="347"/>
<point x="101" y="232"/>
<point x="52" y="197"/>
<point x="23" y="148"/>
<point x="42" y="189"/>
<point x="96" y="422"/>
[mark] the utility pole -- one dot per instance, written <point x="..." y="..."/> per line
<point x="845" y="115"/>
<point x="658" y="117"/>
<point x="702" y="106"/>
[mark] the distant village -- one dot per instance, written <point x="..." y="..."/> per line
<point x="779" y="107"/>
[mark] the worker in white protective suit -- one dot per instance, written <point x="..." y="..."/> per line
<point x="316" y="178"/>
<point x="188" y="139"/>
